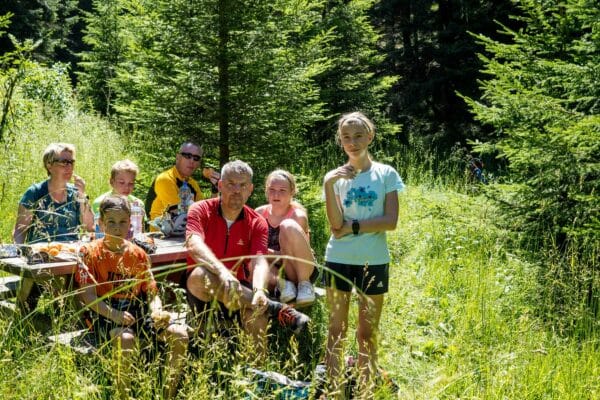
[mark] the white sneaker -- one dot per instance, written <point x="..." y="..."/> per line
<point x="287" y="291"/>
<point x="306" y="293"/>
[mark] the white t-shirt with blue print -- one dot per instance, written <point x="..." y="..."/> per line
<point x="363" y="198"/>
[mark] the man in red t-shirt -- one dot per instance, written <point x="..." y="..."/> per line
<point x="226" y="241"/>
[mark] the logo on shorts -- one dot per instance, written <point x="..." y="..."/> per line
<point x="380" y="284"/>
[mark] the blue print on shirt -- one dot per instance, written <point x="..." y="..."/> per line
<point x="362" y="196"/>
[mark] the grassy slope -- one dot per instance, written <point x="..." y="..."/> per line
<point x="458" y="323"/>
<point x="459" y="320"/>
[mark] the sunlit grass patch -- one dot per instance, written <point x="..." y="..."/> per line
<point x="461" y="319"/>
<point x="97" y="145"/>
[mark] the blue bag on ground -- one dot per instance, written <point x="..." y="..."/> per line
<point x="284" y="388"/>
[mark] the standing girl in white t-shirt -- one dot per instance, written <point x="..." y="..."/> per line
<point x="362" y="204"/>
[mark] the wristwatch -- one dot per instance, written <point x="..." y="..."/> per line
<point x="355" y="226"/>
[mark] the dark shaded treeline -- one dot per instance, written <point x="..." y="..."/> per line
<point x="426" y="44"/>
<point x="429" y="46"/>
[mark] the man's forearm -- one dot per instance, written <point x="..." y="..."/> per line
<point x="204" y="256"/>
<point x="260" y="273"/>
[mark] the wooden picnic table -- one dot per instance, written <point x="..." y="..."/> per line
<point x="168" y="251"/>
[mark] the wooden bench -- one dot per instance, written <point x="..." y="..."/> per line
<point x="319" y="294"/>
<point x="9" y="285"/>
<point x="80" y="341"/>
<point x="7" y="308"/>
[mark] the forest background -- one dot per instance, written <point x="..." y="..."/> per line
<point x="514" y="83"/>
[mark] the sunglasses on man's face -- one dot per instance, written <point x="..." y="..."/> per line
<point x="190" y="156"/>
<point x="63" y="162"/>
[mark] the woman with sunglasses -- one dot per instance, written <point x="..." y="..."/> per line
<point x="54" y="210"/>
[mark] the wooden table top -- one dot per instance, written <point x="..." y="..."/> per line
<point x="168" y="250"/>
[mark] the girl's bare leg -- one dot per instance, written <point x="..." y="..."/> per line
<point x="339" y="303"/>
<point x="369" y="314"/>
<point x="294" y="243"/>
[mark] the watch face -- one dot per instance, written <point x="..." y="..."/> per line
<point x="355" y="227"/>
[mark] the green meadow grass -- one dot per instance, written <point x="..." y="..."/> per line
<point x="461" y="321"/>
<point x="97" y="148"/>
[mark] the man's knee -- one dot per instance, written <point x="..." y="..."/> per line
<point x="199" y="284"/>
<point x="124" y="338"/>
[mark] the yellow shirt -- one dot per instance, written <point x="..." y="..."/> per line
<point x="164" y="192"/>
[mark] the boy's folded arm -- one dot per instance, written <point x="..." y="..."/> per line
<point x="91" y="300"/>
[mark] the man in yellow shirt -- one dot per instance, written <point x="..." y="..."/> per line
<point x="164" y="191"/>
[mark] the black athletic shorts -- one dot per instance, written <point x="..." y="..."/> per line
<point x="101" y="326"/>
<point x="368" y="279"/>
<point x="202" y="309"/>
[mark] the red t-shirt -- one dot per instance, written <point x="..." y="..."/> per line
<point x="247" y="236"/>
<point x="114" y="272"/>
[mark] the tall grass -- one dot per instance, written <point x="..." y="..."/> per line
<point x="97" y="146"/>
<point x="463" y="318"/>
<point x="33" y="368"/>
<point x="462" y="315"/>
<point x="459" y="321"/>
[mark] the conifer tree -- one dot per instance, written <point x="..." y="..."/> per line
<point x="237" y="75"/>
<point x="356" y="80"/>
<point x="542" y="99"/>
<point x="428" y="46"/>
<point x="98" y="68"/>
<point x="49" y="22"/>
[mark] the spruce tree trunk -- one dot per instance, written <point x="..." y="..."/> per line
<point x="223" y="66"/>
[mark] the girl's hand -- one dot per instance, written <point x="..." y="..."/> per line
<point x="346" y="229"/>
<point x="346" y="171"/>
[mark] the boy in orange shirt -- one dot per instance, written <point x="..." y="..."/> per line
<point x="117" y="285"/>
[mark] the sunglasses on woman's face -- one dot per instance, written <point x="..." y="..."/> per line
<point x="63" y="162"/>
<point x="190" y="156"/>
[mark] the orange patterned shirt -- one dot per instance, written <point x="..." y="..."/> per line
<point x="118" y="275"/>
